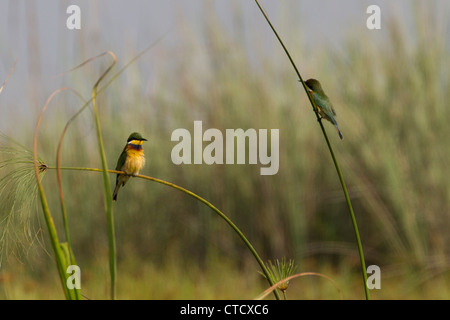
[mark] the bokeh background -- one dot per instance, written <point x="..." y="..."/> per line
<point x="219" y="62"/>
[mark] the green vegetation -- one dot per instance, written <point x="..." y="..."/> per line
<point x="391" y="99"/>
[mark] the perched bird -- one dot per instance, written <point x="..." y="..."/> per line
<point x="131" y="160"/>
<point x="322" y="102"/>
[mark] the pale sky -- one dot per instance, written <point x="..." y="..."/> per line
<point x="37" y="30"/>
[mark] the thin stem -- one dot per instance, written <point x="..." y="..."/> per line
<point x="352" y="215"/>
<point x="7" y="77"/>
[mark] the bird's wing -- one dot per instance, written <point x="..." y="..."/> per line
<point x="122" y="158"/>
<point x="332" y="110"/>
<point x="324" y="104"/>
<point x="328" y="106"/>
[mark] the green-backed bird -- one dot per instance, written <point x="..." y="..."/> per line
<point x="322" y="102"/>
<point x="131" y="160"/>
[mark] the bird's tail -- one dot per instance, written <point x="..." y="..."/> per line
<point x="337" y="127"/>
<point x="339" y="132"/>
<point x="116" y="190"/>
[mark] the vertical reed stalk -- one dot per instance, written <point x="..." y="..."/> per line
<point x="106" y="187"/>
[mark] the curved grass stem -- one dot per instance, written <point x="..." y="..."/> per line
<point x="207" y="203"/>
<point x="274" y="287"/>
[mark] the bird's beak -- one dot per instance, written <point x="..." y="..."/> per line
<point x="143" y="139"/>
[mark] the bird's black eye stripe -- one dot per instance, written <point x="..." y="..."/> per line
<point x="131" y="139"/>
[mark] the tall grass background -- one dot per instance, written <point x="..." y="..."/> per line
<point x="391" y="98"/>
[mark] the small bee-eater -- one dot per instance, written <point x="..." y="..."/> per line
<point x="131" y="160"/>
<point x="322" y="101"/>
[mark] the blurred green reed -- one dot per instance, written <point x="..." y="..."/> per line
<point x="391" y="99"/>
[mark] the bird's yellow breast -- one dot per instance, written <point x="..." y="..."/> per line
<point x="134" y="162"/>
